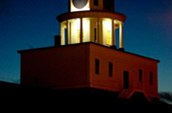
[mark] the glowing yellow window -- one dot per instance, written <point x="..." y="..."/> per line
<point x="107" y="32"/>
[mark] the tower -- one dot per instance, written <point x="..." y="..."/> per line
<point x="92" y="21"/>
<point x="86" y="55"/>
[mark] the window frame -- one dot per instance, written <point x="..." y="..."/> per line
<point x="110" y="69"/>
<point x="140" y="75"/>
<point x="97" y="66"/>
<point x="151" y="78"/>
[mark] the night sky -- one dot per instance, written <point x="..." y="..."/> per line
<point x="27" y="24"/>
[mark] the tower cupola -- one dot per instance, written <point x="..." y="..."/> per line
<point x="92" y="21"/>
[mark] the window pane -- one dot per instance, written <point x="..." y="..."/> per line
<point x="140" y="75"/>
<point x="126" y="80"/>
<point x="110" y="69"/>
<point x="151" y="78"/>
<point x="97" y="63"/>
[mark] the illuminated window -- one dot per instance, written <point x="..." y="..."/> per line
<point x="110" y="69"/>
<point x="63" y="33"/>
<point x="140" y="75"/>
<point x="96" y="3"/>
<point x="151" y="78"/>
<point x="107" y="31"/>
<point x="97" y="64"/>
<point x="74" y="30"/>
<point x="86" y="29"/>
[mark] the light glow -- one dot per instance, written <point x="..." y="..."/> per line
<point x="75" y="30"/>
<point x="121" y="35"/>
<point x="107" y="32"/>
<point x="63" y="27"/>
<point x="86" y="29"/>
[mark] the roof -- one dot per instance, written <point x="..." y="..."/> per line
<point x="119" y="50"/>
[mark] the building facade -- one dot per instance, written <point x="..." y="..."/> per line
<point x="87" y="55"/>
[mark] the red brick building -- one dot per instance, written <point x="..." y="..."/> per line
<point x="86" y="55"/>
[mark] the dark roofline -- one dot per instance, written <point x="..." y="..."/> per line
<point x="120" y="50"/>
<point x="123" y="51"/>
<point x="36" y="49"/>
<point x="142" y="56"/>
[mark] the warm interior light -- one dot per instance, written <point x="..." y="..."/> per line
<point x="70" y="31"/>
<point x="63" y="27"/>
<point x="86" y="29"/>
<point x="107" y="32"/>
<point x="121" y="35"/>
<point x="75" y="30"/>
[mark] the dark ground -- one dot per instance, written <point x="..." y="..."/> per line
<point x="21" y="99"/>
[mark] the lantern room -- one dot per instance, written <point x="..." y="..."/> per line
<point x="92" y="21"/>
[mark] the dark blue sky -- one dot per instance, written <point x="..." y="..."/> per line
<point x="26" y="24"/>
